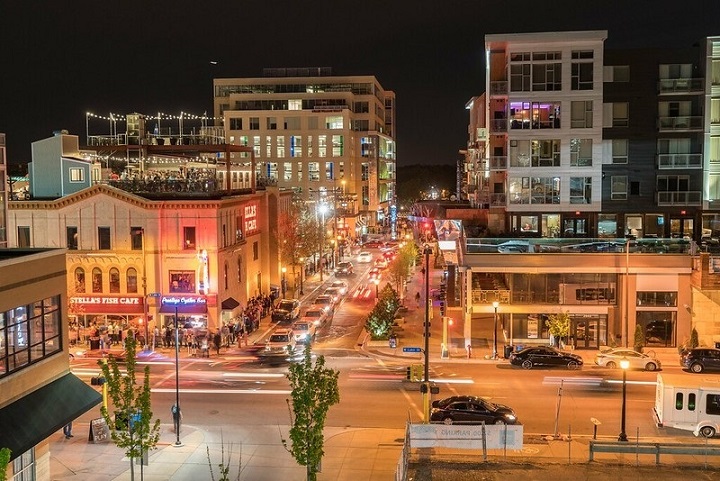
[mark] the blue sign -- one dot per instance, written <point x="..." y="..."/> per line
<point x="412" y="349"/>
<point x="155" y="294"/>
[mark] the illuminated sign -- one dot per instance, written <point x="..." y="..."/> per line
<point x="250" y="218"/>
<point x="108" y="304"/>
<point x="183" y="304"/>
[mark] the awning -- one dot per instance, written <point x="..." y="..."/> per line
<point x="229" y="304"/>
<point x="34" y="417"/>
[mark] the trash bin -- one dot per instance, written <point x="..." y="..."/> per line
<point x="392" y="342"/>
<point x="94" y="343"/>
<point x="508" y="350"/>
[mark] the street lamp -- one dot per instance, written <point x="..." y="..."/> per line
<point x="425" y="388"/>
<point x="624" y="364"/>
<point x="340" y="248"/>
<point x="302" y="268"/>
<point x="377" y="283"/>
<point x="283" y="285"/>
<point x="496" y="304"/>
<point x="177" y="416"/>
<point x="322" y="209"/>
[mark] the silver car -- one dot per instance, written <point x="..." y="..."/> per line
<point x="611" y="358"/>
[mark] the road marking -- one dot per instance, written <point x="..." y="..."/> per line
<point x="222" y="391"/>
<point x="252" y="374"/>
<point x="414" y="406"/>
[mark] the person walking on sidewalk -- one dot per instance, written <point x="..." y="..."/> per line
<point x="67" y="430"/>
<point x="417" y="298"/>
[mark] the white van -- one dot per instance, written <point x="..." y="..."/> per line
<point x="688" y="402"/>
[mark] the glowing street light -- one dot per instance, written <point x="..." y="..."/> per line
<point x="496" y="304"/>
<point x="624" y="364"/>
<point x="377" y="283"/>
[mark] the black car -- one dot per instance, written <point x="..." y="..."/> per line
<point x="286" y="311"/>
<point x="470" y="410"/>
<point x="545" y="356"/>
<point x="700" y="359"/>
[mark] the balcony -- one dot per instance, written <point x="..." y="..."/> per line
<point x="498" y="162"/>
<point x="499" y="87"/>
<point x="498" y="125"/>
<point x="670" y="124"/>
<point x="679" y="161"/>
<point x="498" y="200"/>
<point x="680" y="85"/>
<point x="679" y="198"/>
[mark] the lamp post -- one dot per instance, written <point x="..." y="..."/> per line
<point x="340" y="248"/>
<point x="425" y="389"/>
<point x="624" y="364"/>
<point x="177" y="413"/>
<point x="302" y="268"/>
<point x="496" y="304"/>
<point x="283" y="285"/>
<point x="626" y="318"/>
<point x="322" y="209"/>
<point x="377" y="283"/>
<point x="141" y="231"/>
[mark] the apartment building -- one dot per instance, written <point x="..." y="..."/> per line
<point x="329" y="138"/>
<point x="4" y="191"/>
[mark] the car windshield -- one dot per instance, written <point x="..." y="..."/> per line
<point x="301" y="327"/>
<point x="286" y="305"/>
<point x="279" y="338"/>
<point x="313" y="314"/>
<point x="322" y="300"/>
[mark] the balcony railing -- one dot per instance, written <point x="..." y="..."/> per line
<point x="498" y="200"/>
<point x="499" y="87"/>
<point x="679" y="161"/>
<point x="498" y="125"/>
<point x="679" y="198"/>
<point x="484" y="296"/>
<point x="680" y="85"/>
<point x="498" y="162"/>
<point x="680" y="123"/>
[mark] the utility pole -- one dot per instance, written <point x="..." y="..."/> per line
<point x="425" y="388"/>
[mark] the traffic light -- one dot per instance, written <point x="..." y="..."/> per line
<point x="414" y="372"/>
<point x="408" y="373"/>
<point x="442" y="308"/>
<point x="97" y="381"/>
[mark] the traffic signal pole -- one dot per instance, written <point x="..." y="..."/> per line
<point x="426" y="375"/>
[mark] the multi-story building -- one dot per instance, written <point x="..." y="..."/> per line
<point x="38" y="393"/>
<point x="143" y="249"/>
<point x="5" y="191"/>
<point x="329" y="138"/>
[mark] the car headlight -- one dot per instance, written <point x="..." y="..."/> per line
<point x="510" y="417"/>
<point x="302" y="336"/>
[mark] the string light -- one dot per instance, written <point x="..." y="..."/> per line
<point x="113" y="117"/>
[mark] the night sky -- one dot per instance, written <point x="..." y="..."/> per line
<point x="61" y="59"/>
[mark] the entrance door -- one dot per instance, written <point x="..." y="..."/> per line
<point x="574" y="228"/>
<point x="680" y="228"/>
<point x="585" y="332"/>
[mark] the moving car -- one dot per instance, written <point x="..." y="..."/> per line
<point x="316" y="315"/>
<point x="374" y="273"/>
<point x="304" y="331"/>
<point x="286" y="311"/>
<point x="611" y="358"/>
<point x="471" y="410"/>
<point x="333" y="292"/>
<point x="701" y="359"/>
<point x="381" y="263"/>
<point x="545" y="356"/>
<point x="344" y="269"/>
<point x="280" y="343"/>
<point x="325" y="302"/>
<point x="341" y="286"/>
<point x="364" y="257"/>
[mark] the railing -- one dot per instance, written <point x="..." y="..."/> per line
<point x="498" y="125"/>
<point x="679" y="161"/>
<point x="485" y="296"/>
<point x="680" y="123"/>
<point x="694" y="449"/>
<point x="679" y="198"/>
<point x="680" y="85"/>
<point x="498" y="200"/>
<point x="499" y="87"/>
<point x="650" y="245"/>
<point x="498" y="162"/>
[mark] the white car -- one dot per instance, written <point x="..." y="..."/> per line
<point x="364" y="257"/>
<point x="304" y="332"/>
<point x="316" y="315"/>
<point x="612" y="357"/>
<point x="341" y="286"/>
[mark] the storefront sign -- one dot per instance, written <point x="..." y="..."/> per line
<point x="184" y="304"/>
<point x="108" y="304"/>
<point x="251" y="220"/>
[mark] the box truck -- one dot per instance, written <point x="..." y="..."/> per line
<point x="688" y="402"/>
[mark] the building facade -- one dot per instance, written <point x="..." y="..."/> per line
<point x="5" y="192"/>
<point x="329" y="138"/>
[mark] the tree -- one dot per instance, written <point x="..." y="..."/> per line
<point x="380" y="321"/>
<point x="132" y="428"/>
<point x="639" y="341"/>
<point x="314" y="391"/>
<point x="224" y="465"/>
<point x="558" y="326"/>
<point x="399" y="268"/>
<point x="694" y="341"/>
<point x="4" y="461"/>
<point x="297" y="234"/>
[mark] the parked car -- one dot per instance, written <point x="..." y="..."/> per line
<point x="341" y="286"/>
<point x="364" y="257"/>
<point x="280" y="343"/>
<point x="286" y="311"/>
<point x="701" y="359"/>
<point x="325" y="302"/>
<point x="344" y="269"/>
<point x="471" y="410"/>
<point x="611" y="358"/>
<point x="381" y="263"/>
<point x="316" y="315"/>
<point x="333" y="292"/>
<point x="545" y="356"/>
<point x="304" y="331"/>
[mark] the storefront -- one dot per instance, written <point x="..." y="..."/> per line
<point x="190" y="311"/>
<point x="90" y="313"/>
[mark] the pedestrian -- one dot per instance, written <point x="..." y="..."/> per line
<point x="417" y="298"/>
<point x="67" y="430"/>
<point x="217" y="340"/>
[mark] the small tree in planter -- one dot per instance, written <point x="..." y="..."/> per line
<point x="639" y="341"/>
<point x="694" y="341"/>
<point x="558" y="326"/>
<point x="379" y="322"/>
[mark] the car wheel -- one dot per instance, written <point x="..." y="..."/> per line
<point x="611" y="365"/>
<point x="448" y="420"/>
<point x="651" y="366"/>
<point x="500" y="421"/>
<point x="707" y="431"/>
<point x="527" y="364"/>
<point x="572" y="365"/>
<point x="697" y="368"/>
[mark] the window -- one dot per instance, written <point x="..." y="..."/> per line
<point x="329" y="170"/>
<point x="620" y="73"/>
<point x="71" y="238"/>
<point x="136" y="238"/>
<point x="296" y="149"/>
<point x="322" y="145"/>
<point x="673" y="183"/>
<point x="254" y="123"/>
<point x="80" y="280"/>
<point x="620" y="114"/>
<point x="131" y="280"/>
<point x="620" y="151"/>
<point x="313" y="171"/>
<point x="580" y="152"/>
<point x="334" y="122"/>
<point x="292" y="123"/>
<point x="712" y="404"/>
<point x="97" y="280"/>
<point x="618" y="187"/>
<point x="188" y="237"/>
<point x="256" y="251"/>
<point x="114" y="280"/>
<point x="23" y="239"/>
<point x="280" y="146"/>
<point x="580" y="190"/>
<point x="287" y="171"/>
<point x="547" y="77"/>
<point x="182" y="281"/>
<point x="581" y="114"/>
<point x="24" y="466"/>
<point x="582" y="72"/>
<point x="236" y="123"/>
<point x="239" y="270"/>
<point x="104" y="238"/>
<point x="77" y="174"/>
<point x="337" y="145"/>
<point x="520" y="72"/>
<point x="545" y="153"/>
<point x="271" y="123"/>
<point x="294" y="104"/>
<point x="364" y="171"/>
